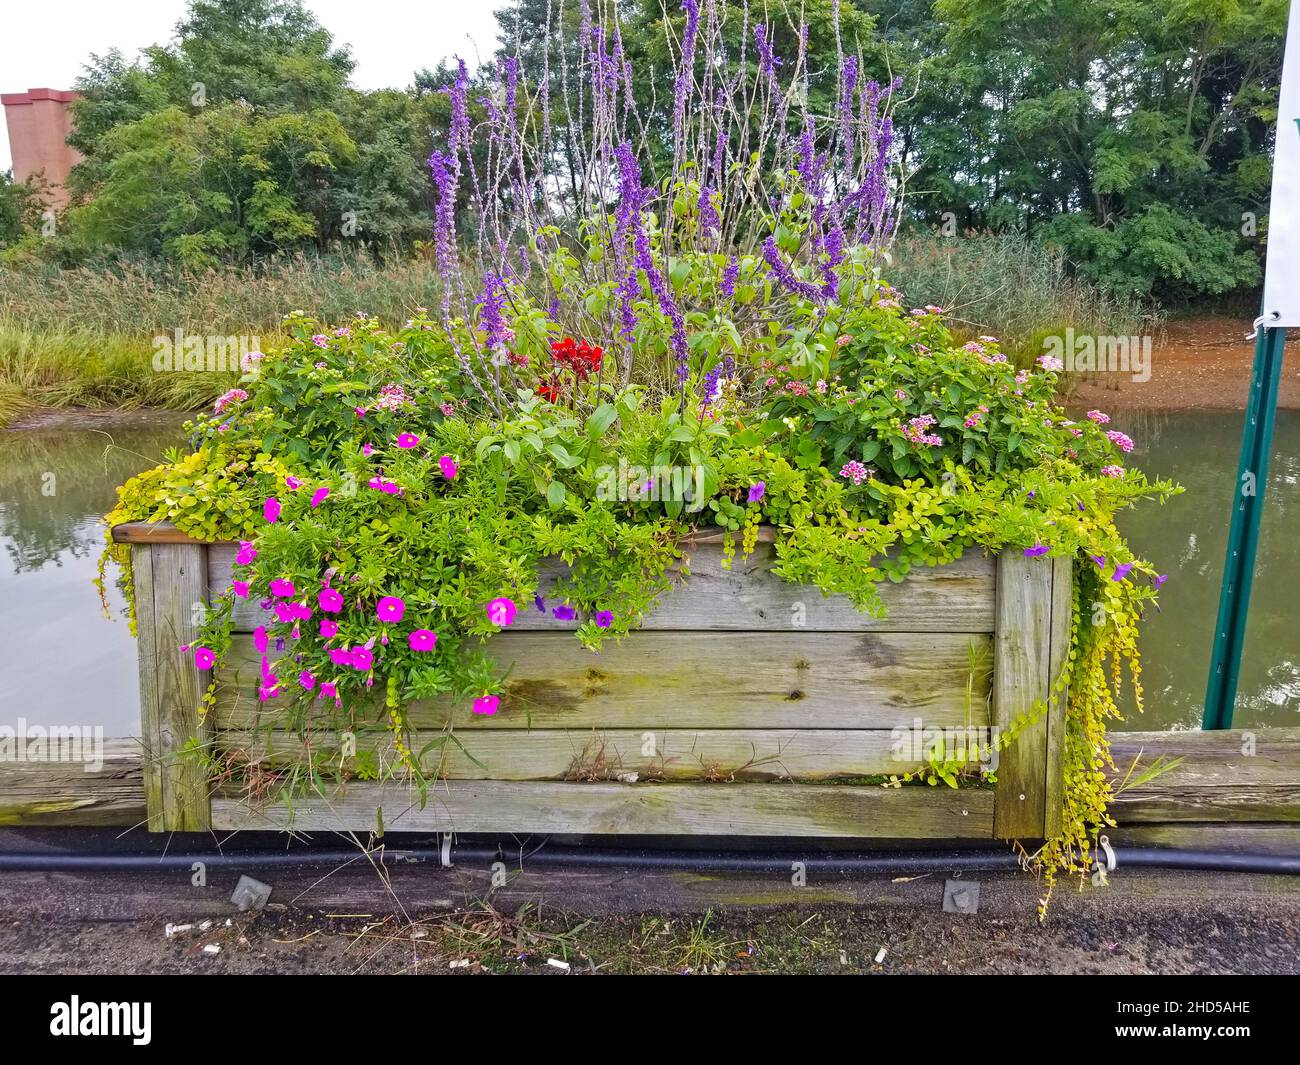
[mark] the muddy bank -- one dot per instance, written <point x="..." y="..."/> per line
<point x="1196" y="364"/>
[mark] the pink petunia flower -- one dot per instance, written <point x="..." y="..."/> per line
<point x="448" y="467"/>
<point x="306" y="679"/>
<point x="318" y="496"/>
<point x="240" y="588"/>
<point x="501" y="611"/>
<point x="422" y="639"/>
<point x="328" y="690"/>
<point x="271" y="510"/>
<point x="260" y="641"/>
<point x="328" y="629"/>
<point x="282" y="586"/>
<point x="247" y="552"/>
<point x="330" y="600"/>
<point x="362" y="659"/>
<point x="292" y="483"/>
<point x="390" y="608"/>
<point x="487" y="704"/>
<point x="204" y="658"/>
<point x="407" y="440"/>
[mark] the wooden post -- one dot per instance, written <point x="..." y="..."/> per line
<point x="1030" y="644"/>
<point x="171" y="588"/>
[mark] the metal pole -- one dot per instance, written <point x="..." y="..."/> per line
<point x="1243" y="534"/>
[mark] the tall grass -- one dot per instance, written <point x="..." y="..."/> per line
<point x="83" y="337"/>
<point x="1007" y="286"/>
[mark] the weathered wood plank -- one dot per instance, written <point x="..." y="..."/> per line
<point x="1234" y="775"/>
<point x="652" y="809"/>
<point x="150" y="532"/>
<point x="147" y="662"/>
<point x="1062" y="614"/>
<point x="36" y="794"/>
<point x="170" y="686"/>
<point x="692" y="680"/>
<point x="957" y="597"/>
<point x="589" y="755"/>
<point x="1233" y="837"/>
<point x="1022" y="663"/>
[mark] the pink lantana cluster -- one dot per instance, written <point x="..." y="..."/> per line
<point x="856" y="472"/>
<point x="1120" y="440"/>
<point x="915" y="431"/>
<point x="235" y="395"/>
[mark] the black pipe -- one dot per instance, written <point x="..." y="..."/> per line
<point x="603" y="858"/>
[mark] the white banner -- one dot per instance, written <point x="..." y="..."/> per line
<point x="1282" y="271"/>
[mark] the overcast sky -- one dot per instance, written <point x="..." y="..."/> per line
<point x="390" y="39"/>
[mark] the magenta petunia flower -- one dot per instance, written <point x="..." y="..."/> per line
<point x="390" y="608"/>
<point x="341" y="656"/>
<point x="247" y="552"/>
<point x="448" y="467"/>
<point x="362" y="659"/>
<point x="266" y="692"/>
<point x="1036" y="550"/>
<point x="283" y="613"/>
<point x="282" y="586"/>
<point x="756" y="491"/>
<point x="407" y="440"/>
<point x="501" y="611"/>
<point x="306" y="679"/>
<point x="564" y="612"/>
<point x="292" y="483"/>
<point x="328" y="629"/>
<point x="330" y="600"/>
<point x="487" y="704"/>
<point x="259" y="639"/>
<point x="604" y="618"/>
<point x="204" y="658"/>
<point x="367" y="450"/>
<point x="318" y="496"/>
<point x="240" y="588"/>
<point x="422" y="640"/>
<point x="328" y="690"/>
<point x="271" y="509"/>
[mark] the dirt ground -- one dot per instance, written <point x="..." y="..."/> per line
<point x="1199" y="363"/>
<point x="1174" y="923"/>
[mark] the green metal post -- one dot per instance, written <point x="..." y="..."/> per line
<point x="1243" y="534"/>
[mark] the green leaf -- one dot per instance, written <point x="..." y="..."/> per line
<point x="601" y="419"/>
<point x="555" y="495"/>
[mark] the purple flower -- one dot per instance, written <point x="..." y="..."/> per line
<point x="756" y="491"/>
<point x="539" y="603"/>
<point x="1159" y="580"/>
<point x="1122" y="571"/>
<point x="1036" y="550"/>
<point x="564" y="612"/>
<point x="782" y="272"/>
<point x="1100" y="560"/>
<point x="604" y="618"/>
<point x="728" y="287"/>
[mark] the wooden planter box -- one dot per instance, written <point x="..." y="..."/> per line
<point x="745" y="706"/>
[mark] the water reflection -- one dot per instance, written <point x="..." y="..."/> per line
<point x="1187" y="539"/>
<point x="63" y="663"/>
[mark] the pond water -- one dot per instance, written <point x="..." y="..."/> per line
<point x="1187" y="539"/>
<point x="63" y="663"/>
